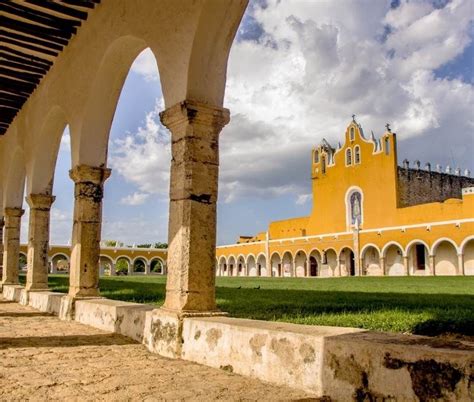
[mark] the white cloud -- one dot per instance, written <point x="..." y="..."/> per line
<point x="316" y="65"/>
<point x="303" y="199"/>
<point x="145" y="65"/>
<point x="135" y="199"/>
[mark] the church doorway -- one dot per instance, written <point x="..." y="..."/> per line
<point x="313" y="266"/>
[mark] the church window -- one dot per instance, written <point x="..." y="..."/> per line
<point x="323" y="165"/>
<point x="357" y="155"/>
<point x="316" y="156"/>
<point x="348" y="157"/>
<point x="352" y="137"/>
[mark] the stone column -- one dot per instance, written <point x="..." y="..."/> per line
<point x="38" y="241"/>
<point x="406" y="265"/>
<point x="54" y="267"/>
<point x="382" y="265"/>
<point x="461" y="264"/>
<point x="147" y="268"/>
<point x="113" y="272"/>
<point x="130" y="269"/>
<point x="11" y="252"/>
<point x="432" y="265"/>
<point x="195" y="129"/>
<point x="2" y="224"/>
<point x="85" y="250"/>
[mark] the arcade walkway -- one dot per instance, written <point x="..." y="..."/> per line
<point x="42" y="358"/>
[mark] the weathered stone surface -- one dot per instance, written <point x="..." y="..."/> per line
<point x="11" y="245"/>
<point x="46" y="302"/>
<point x="416" y="186"/>
<point x="38" y="241"/>
<point x="2" y="224"/>
<point x="12" y="292"/>
<point x="115" y="316"/>
<point x="195" y="129"/>
<point x="163" y="333"/>
<point x="88" y="193"/>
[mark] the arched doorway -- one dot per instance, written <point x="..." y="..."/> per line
<point x="241" y="269"/>
<point x="331" y="261"/>
<point x="276" y="264"/>
<point x="287" y="264"/>
<point x="418" y="258"/>
<point x="231" y="266"/>
<point x="222" y="267"/>
<point x="22" y="262"/>
<point x="261" y="265"/>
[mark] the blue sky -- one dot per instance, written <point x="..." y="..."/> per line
<point x="297" y="72"/>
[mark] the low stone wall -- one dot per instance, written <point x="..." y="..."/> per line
<point x="333" y="362"/>
<point x="116" y="316"/>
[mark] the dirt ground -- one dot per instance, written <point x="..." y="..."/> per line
<point x="42" y="358"/>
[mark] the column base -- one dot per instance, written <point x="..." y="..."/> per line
<point x="164" y="330"/>
<point x="67" y="307"/>
<point x="12" y="292"/>
<point x="25" y="294"/>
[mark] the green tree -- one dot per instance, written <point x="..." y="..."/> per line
<point x="160" y="245"/>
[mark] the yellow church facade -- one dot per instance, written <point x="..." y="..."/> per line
<point x="370" y="217"/>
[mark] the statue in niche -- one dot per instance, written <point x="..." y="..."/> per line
<point x="356" y="211"/>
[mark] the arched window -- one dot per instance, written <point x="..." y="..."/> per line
<point x="355" y="206"/>
<point x="357" y="155"/>
<point x="316" y="156"/>
<point x="348" y="157"/>
<point x="352" y="136"/>
<point x="323" y="164"/>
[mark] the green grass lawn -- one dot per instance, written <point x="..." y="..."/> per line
<point x="429" y="305"/>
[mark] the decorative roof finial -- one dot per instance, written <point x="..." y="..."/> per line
<point x="354" y="118"/>
<point x="387" y="126"/>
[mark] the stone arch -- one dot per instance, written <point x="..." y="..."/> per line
<point x="262" y="265"/>
<point x="445" y="252"/>
<point x="157" y="266"/>
<point x="331" y="260"/>
<point x="106" y="265"/>
<point x="347" y="261"/>
<point x="467" y="249"/>
<point x="123" y="265"/>
<point x="418" y="252"/>
<point x="44" y="156"/>
<point x="231" y="265"/>
<point x="60" y="263"/>
<point x="314" y="263"/>
<point x="241" y="265"/>
<point x="439" y="241"/>
<point x="93" y="133"/>
<point x="370" y="259"/>
<point x="251" y="265"/>
<point x="275" y="264"/>
<point x="287" y="264"/>
<point x="393" y="254"/>
<point x="222" y="266"/>
<point x="301" y="261"/>
<point x="15" y="180"/>
<point x="139" y="265"/>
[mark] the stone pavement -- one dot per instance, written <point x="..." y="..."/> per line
<point x="42" y="358"/>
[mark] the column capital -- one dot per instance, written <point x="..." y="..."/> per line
<point x="14" y="212"/>
<point x="191" y="111"/>
<point x="40" y="201"/>
<point x="92" y="174"/>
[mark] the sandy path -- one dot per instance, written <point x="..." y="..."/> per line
<point x="42" y="358"/>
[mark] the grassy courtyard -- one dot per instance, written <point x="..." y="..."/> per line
<point x="429" y="306"/>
